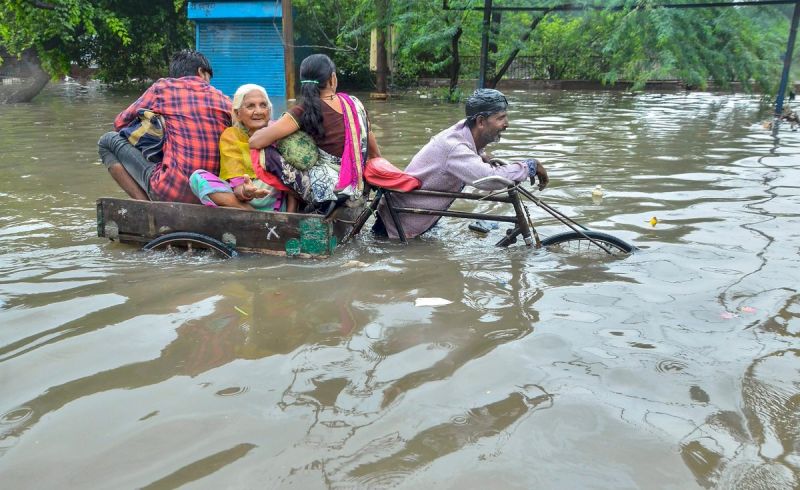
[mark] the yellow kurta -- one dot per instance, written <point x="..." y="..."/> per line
<point x="234" y="154"/>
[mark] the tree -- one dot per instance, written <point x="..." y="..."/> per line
<point x="639" y="40"/>
<point x="498" y="75"/>
<point x="427" y="37"/>
<point x="28" y="67"/>
<point x="382" y="25"/>
<point x="694" y="45"/>
<point x="123" y="38"/>
<point x="430" y="41"/>
<point x="153" y="35"/>
<point x="45" y="31"/>
<point x="609" y="40"/>
<point x="340" y="29"/>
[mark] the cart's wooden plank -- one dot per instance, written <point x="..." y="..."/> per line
<point x="265" y="232"/>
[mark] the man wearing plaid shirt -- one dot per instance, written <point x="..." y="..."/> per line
<point x="195" y="114"/>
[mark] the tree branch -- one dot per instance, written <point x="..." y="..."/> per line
<point x="456" y="61"/>
<point x="42" y="5"/>
<point x="503" y="69"/>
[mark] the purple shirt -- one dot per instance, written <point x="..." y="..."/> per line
<point x="448" y="162"/>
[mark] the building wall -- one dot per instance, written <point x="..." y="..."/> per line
<point x="243" y="41"/>
<point x="244" y="52"/>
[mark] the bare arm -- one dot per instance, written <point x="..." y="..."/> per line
<point x="373" y="150"/>
<point x="282" y="128"/>
<point x="466" y="165"/>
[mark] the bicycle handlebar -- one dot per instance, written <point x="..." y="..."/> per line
<point x="494" y="178"/>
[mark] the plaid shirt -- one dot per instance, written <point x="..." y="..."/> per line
<point x="195" y="114"/>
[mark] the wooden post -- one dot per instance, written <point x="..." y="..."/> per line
<point x="382" y="63"/>
<point x="288" y="48"/>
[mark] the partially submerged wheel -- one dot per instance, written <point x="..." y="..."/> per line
<point x="572" y="241"/>
<point x="191" y="241"/>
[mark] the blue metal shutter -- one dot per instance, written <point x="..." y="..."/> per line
<point x="244" y="52"/>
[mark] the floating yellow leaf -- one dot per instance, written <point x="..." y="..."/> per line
<point x="653" y="221"/>
<point x="240" y="311"/>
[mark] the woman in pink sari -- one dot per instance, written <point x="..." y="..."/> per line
<point x="338" y="124"/>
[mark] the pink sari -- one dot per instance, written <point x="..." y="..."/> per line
<point x="355" y="145"/>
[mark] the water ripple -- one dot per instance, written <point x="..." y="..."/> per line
<point x="233" y="391"/>
<point x="671" y="366"/>
<point x="16" y="417"/>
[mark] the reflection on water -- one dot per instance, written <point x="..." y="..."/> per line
<point x="672" y="368"/>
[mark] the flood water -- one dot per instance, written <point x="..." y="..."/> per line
<point x="675" y="367"/>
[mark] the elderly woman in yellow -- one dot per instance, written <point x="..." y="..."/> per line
<point x="241" y="184"/>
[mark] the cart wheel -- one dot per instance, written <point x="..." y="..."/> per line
<point x="572" y="241"/>
<point x="191" y="241"/>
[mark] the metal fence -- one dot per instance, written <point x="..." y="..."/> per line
<point x="522" y="68"/>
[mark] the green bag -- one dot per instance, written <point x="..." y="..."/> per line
<point x="299" y="150"/>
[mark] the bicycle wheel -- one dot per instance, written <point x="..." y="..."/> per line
<point x="572" y="241"/>
<point x="191" y="241"/>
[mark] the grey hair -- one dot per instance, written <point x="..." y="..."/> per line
<point x="238" y="98"/>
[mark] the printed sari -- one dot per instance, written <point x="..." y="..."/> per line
<point x="331" y="177"/>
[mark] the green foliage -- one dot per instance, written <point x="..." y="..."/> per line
<point x="566" y="48"/>
<point x="638" y="43"/>
<point x="695" y="45"/>
<point x="49" y="27"/>
<point x="455" y="96"/>
<point x="125" y="39"/>
<point x="133" y="40"/>
<point x="152" y="35"/>
<point x="424" y="32"/>
<point x="340" y="29"/>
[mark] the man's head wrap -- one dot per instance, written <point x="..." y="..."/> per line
<point x="485" y="102"/>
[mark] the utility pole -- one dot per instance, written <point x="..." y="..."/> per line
<point x="288" y="48"/>
<point x="487" y="18"/>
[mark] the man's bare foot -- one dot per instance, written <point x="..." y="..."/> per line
<point x="228" y="200"/>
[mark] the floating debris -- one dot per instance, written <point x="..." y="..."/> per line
<point x="431" y="302"/>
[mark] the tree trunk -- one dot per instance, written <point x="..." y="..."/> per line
<point x="503" y="69"/>
<point x="29" y="69"/>
<point x="494" y="34"/>
<point x="455" y="66"/>
<point x="382" y="62"/>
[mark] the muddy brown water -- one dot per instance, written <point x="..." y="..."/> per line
<point x="676" y="367"/>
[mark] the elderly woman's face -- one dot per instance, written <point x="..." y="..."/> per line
<point x="254" y="112"/>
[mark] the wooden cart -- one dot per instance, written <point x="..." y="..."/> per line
<point x="227" y="231"/>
